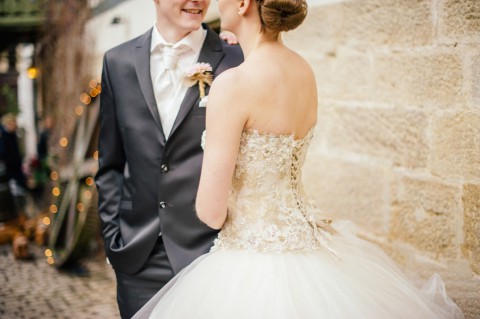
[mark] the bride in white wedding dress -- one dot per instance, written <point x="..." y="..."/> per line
<point x="275" y="257"/>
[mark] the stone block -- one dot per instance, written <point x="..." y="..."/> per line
<point x="309" y="35"/>
<point x="425" y="215"/>
<point x="476" y="81"/>
<point x="456" y="145"/>
<point x="398" y="135"/>
<point x="347" y="190"/>
<point x="426" y="80"/>
<point x="459" y="20"/>
<point x="471" y="225"/>
<point x="373" y="22"/>
<point x="431" y="196"/>
<point x="431" y="232"/>
<point x="342" y="75"/>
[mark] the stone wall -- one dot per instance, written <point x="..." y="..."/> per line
<point x="397" y="146"/>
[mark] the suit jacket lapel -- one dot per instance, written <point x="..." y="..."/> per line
<point x="211" y="53"/>
<point x="142" y="67"/>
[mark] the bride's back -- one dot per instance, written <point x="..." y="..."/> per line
<point x="281" y="91"/>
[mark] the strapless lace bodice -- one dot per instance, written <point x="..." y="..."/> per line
<point x="268" y="209"/>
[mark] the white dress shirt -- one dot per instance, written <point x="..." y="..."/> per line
<point x="170" y="96"/>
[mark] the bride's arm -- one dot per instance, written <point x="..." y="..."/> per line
<point x="226" y="117"/>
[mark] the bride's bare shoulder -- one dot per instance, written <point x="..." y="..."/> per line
<point x="233" y="75"/>
<point x="230" y="82"/>
<point x="227" y="90"/>
<point x="226" y="77"/>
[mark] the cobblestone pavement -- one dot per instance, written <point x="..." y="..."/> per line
<point x="34" y="289"/>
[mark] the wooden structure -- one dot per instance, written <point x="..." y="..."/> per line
<point x="74" y="218"/>
<point x="21" y="21"/>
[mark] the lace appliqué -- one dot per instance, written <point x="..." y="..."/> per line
<point x="268" y="210"/>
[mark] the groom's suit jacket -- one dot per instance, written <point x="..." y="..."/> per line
<point x="146" y="183"/>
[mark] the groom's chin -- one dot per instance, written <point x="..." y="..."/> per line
<point x="191" y="22"/>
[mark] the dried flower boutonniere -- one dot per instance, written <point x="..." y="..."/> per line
<point x="200" y="73"/>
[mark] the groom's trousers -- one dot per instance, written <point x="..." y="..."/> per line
<point x="133" y="291"/>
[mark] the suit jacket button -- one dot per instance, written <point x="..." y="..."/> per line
<point x="162" y="205"/>
<point x="164" y="168"/>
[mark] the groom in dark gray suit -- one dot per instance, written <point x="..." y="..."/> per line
<point x="149" y="150"/>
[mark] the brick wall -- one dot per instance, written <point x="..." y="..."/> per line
<point x="397" y="146"/>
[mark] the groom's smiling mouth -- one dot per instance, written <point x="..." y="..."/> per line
<point x="193" y="11"/>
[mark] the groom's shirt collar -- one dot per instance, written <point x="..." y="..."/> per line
<point x="193" y="40"/>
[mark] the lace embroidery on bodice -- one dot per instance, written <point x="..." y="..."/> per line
<point x="267" y="208"/>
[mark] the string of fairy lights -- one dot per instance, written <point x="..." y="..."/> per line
<point x="86" y="194"/>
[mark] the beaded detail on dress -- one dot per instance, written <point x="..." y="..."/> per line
<point x="268" y="210"/>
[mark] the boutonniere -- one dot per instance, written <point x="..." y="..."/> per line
<point x="200" y="73"/>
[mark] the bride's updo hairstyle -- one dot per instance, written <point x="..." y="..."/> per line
<point x="281" y="15"/>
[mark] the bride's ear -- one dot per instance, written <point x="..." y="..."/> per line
<point x="244" y="6"/>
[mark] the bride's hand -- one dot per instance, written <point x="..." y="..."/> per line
<point x="228" y="37"/>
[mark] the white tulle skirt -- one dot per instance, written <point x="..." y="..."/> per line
<point x="362" y="283"/>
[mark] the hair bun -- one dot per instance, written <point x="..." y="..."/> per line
<point x="282" y="15"/>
